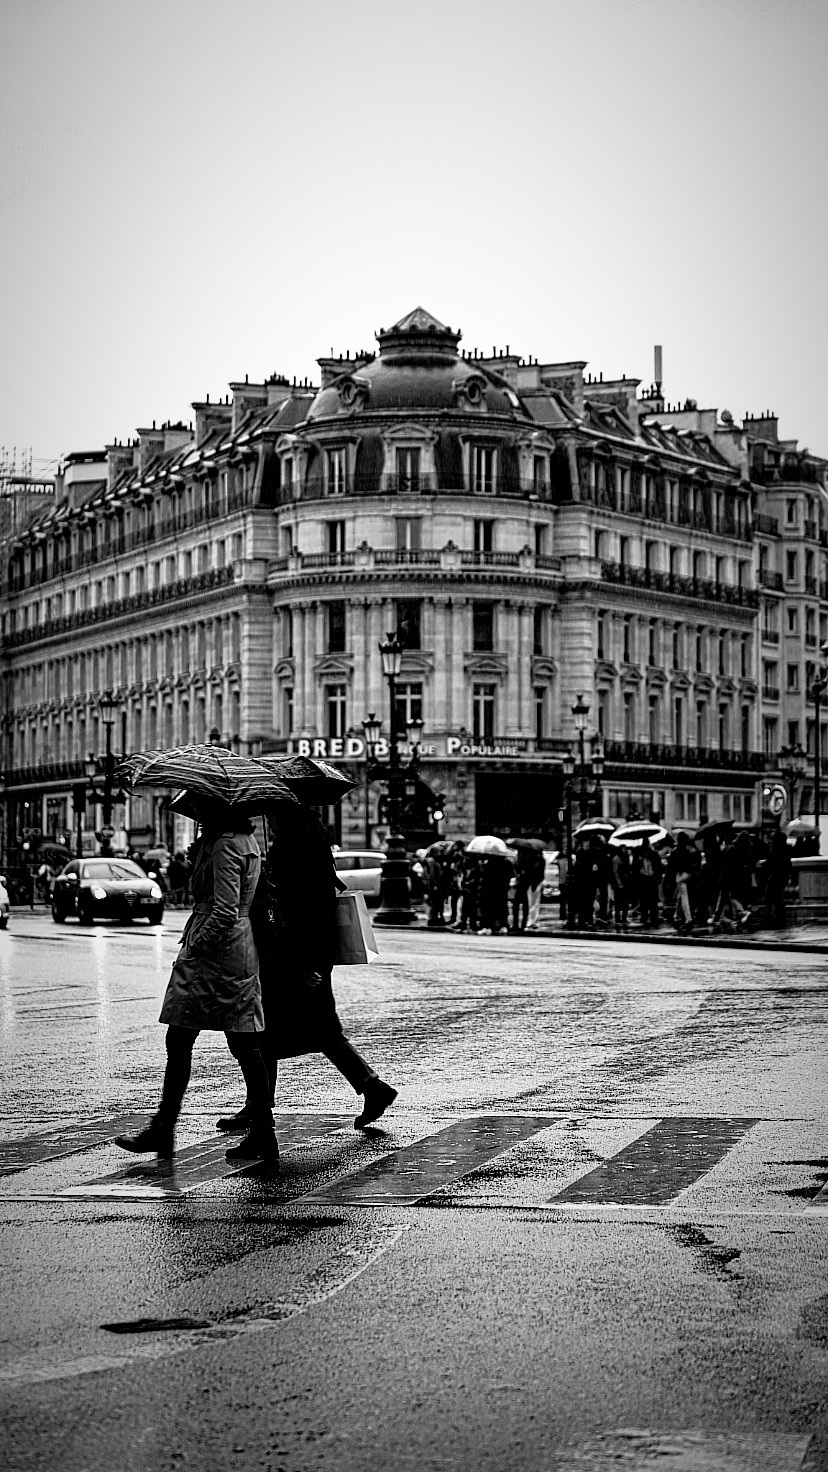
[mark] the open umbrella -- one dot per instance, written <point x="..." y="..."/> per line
<point x="486" y="843"/>
<point x="211" y="773"/>
<point x="54" y="853"/>
<point x="314" y="781"/>
<point x="595" y="825"/>
<point x="632" y="835"/>
<point x="719" y="828"/>
<point x="537" y="845"/>
<point x="797" y="828"/>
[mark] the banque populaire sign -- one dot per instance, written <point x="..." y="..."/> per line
<point x="352" y="748"/>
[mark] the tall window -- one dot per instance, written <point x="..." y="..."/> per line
<point x="602" y="634"/>
<point x="769" y="735"/>
<point x="483" y="712"/>
<point x="701" y="723"/>
<point x="651" y="643"/>
<point x="653" y="721"/>
<point x="676" y="646"/>
<point x="409" y="532"/>
<point x="483" y="535"/>
<point x="336" y="626"/>
<point x="540" y="538"/>
<point x="336" y="702"/>
<point x="699" y="649"/>
<point x="540" y="712"/>
<point x="602" y="719"/>
<point x="336" y="537"/>
<point x="484" y="466"/>
<point x="409" y="703"/>
<point x="628" y="654"/>
<point x="287" y="633"/>
<point x="744" y="655"/>
<point x="745" y="728"/>
<point x="288" y="709"/>
<point x="482" y="627"/>
<point x="408" y="470"/>
<point x="629" y="717"/>
<point x="722" y="652"/>
<point x="337" y="472"/>
<point x="791" y="566"/>
<point x="724" y="727"/>
<point x="539" y="623"/>
<point x="678" y="720"/>
<point x="409" y="622"/>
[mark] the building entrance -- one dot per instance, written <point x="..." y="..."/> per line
<point x="518" y="803"/>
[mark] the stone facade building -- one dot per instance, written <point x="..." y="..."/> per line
<point x="532" y="533"/>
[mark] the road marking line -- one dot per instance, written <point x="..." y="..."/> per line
<point x="660" y="1164"/>
<point x="352" y="1261"/>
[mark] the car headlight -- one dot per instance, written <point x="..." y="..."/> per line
<point x="155" y="892"/>
<point x="98" y="893"/>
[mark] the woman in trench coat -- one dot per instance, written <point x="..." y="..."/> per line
<point x="215" y="985"/>
<point x="294" y="924"/>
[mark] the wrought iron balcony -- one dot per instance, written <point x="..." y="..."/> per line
<point x="673" y="582"/>
<point x="216" y="577"/>
<point x="655" y="754"/>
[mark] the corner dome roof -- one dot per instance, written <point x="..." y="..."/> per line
<point x="417" y="369"/>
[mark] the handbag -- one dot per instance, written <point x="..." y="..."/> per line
<point x="355" y="940"/>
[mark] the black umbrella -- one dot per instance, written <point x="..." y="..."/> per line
<point x="537" y="845"/>
<point x="314" y="781"/>
<point x="211" y="773"/>
<point x="719" y="828"/>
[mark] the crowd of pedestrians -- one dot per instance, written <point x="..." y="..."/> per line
<point x="718" y="885"/>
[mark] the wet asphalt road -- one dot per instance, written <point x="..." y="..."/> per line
<point x="589" y="1234"/>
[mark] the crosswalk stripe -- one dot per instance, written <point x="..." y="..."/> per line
<point x="659" y="1165"/>
<point x="67" y="1139"/>
<point x="429" y="1167"/>
<point x="409" y="1175"/>
<point x="200" y="1164"/>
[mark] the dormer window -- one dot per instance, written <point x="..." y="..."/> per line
<point x="288" y="469"/>
<point x="337" y="472"/>
<point x="484" y="469"/>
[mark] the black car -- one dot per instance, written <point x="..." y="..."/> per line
<point x="111" y="887"/>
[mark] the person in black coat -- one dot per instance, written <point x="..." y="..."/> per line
<point x="294" y="926"/>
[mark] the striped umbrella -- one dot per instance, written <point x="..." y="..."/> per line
<point x="211" y="773"/>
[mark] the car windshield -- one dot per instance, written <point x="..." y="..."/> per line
<point x="103" y="870"/>
<point x="125" y="869"/>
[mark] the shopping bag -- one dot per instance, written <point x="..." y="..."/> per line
<point x="355" y="941"/>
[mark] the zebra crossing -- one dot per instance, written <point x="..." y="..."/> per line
<point x="539" y="1160"/>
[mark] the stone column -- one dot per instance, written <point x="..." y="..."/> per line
<point x="525" y="651"/>
<point x="507" y="617"/>
<point x="436" y="713"/>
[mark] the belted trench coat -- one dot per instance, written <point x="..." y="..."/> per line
<point x="214" y="983"/>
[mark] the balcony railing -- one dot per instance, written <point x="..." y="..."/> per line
<point x="769" y="579"/>
<point x="216" y="577"/>
<point x="811" y="641"/>
<point x="645" y="753"/>
<point x="318" y="488"/>
<point x="490" y="559"/>
<point x="770" y="692"/>
<point x="770" y="636"/>
<point x="117" y="546"/>
<point x="811" y="584"/>
<point x="407" y="557"/>
<point x="811" y="529"/>
<point x="45" y="772"/>
<point x="673" y="582"/>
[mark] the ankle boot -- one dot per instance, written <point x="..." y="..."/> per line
<point x="241" y="1120"/>
<point x="259" y="1143"/>
<point x="377" y="1095"/>
<point x="157" y="1138"/>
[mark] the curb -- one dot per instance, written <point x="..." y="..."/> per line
<point x="652" y="938"/>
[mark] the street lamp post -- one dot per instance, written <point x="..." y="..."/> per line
<point x="395" y="892"/>
<point x="568" y="771"/>
<point x="818" y="688"/>
<point x="792" y="765"/>
<point x="108" y="706"/>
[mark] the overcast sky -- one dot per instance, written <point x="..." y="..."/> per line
<point x="192" y="190"/>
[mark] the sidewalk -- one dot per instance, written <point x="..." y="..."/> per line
<point x="796" y="937"/>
